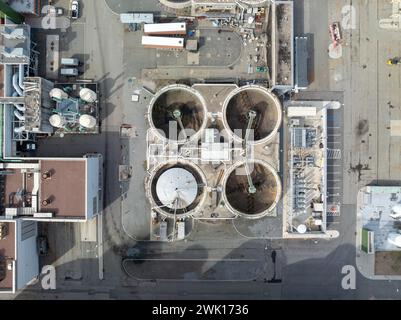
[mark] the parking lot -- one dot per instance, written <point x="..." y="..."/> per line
<point x="334" y="166"/>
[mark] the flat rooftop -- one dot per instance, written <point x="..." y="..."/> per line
<point x="376" y="208"/>
<point x="15" y="43"/>
<point x="301" y="62"/>
<point x="308" y="135"/>
<point x="7" y="254"/>
<point x="23" y="6"/>
<point x="17" y="188"/>
<point x="65" y="189"/>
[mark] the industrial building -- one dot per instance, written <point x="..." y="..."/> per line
<point x="282" y="43"/>
<point x="379" y="214"/>
<point x="165" y="28"/>
<point x="213" y="153"/>
<point x="38" y="189"/>
<point x="26" y="7"/>
<point x="301" y="63"/>
<point x="35" y="107"/>
<point x="306" y="201"/>
<point x="19" y="261"/>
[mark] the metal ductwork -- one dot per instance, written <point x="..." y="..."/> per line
<point x="16" y="85"/>
<point x="19" y="129"/>
<point x="19" y="115"/>
<point x="19" y="107"/>
<point x="21" y="76"/>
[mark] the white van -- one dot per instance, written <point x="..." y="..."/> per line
<point x="70" y="62"/>
<point x="69" y="72"/>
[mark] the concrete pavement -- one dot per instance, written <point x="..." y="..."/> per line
<point x="308" y="269"/>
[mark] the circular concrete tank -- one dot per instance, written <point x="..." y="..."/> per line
<point x="266" y="106"/>
<point x="254" y="2"/>
<point x="178" y="187"/>
<point x="240" y="200"/>
<point x="176" y="4"/>
<point x="174" y="104"/>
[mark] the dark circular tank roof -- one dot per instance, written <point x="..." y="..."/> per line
<point x="189" y="105"/>
<point x="237" y="193"/>
<point x="252" y="99"/>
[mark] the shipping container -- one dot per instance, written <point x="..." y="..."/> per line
<point x="165" y="28"/>
<point x="163" y="42"/>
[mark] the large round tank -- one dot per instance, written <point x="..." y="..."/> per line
<point x="87" y="95"/>
<point x="245" y="100"/>
<point x="57" y="121"/>
<point x="180" y="106"/>
<point x="253" y="2"/>
<point x="87" y="121"/>
<point x="177" y="188"/>
<point x="58" y="94"/>
<point x="176" y="4"/>
<point x="236" y="189"/>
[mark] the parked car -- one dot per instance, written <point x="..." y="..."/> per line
<point x="74" y="9"/>
<point x="69" y="72"/>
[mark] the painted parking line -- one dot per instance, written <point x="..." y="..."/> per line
<point x="333" y="222"/>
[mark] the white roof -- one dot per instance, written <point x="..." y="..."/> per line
<point x="215" y="151"/>
<point x="318" y="207"/>
<point x="136" y="18"/>
<point x="163" y="41"/>
<point x="301" y="111"/>
<point x="165" y="27"/>
<point x="176" y="188"/>
<point x="395" y="128"/>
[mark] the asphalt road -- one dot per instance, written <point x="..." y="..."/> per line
<point x="308" y="269"/>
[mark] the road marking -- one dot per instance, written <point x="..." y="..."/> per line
<point x="334" y="154"/>
<point x="194" y="259"/>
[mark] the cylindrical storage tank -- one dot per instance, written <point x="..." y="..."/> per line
<point x="177" y="188"/>
<point x="240" y="102"/>
<point x="237" y="196"/>
<point x="178" y="102"/>
<point x="176" y="4"/>
<point x="254" y="2"/>
<point x="58" y="94"/>
<point x="87" y="121"/>
<point x="57" y="121"/>
<point x="88" y="95"/>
